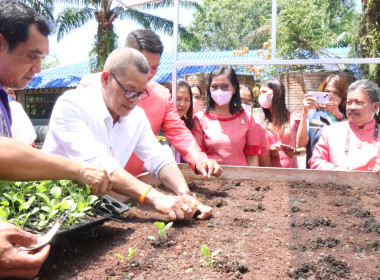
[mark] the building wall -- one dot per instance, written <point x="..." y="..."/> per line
<point x="298" y="83"/>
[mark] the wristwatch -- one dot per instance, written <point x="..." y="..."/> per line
<point x="341" y="117"/>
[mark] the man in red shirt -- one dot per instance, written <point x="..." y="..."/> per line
<point x="162" y="113"/>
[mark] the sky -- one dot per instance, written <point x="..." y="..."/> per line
<point x="75" y="46"/>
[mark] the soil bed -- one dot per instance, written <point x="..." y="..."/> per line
<point x="264" y="230"/>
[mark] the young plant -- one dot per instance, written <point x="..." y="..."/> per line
<point x="162" y="229"/>
<point x="130" y="254"/>
<point x="209" y="256"/>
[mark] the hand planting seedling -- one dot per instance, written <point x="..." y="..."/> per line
<point x="162" y="229"/>
<point x="37" y="205"/>
<point x="208" y="255"/>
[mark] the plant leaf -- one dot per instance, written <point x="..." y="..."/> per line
<point x="159" y="225"/>
<point x="205" y="250"/>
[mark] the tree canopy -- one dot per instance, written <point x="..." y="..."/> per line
<point x="302" y="24"/>
<point x="223" y="24"/>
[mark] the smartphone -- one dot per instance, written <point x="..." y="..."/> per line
<point x="286" y="147"/>
<point x="321" y="97"/>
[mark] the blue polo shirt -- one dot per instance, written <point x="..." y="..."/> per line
<point x="5" y="115"/>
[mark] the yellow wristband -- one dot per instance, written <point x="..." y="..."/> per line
<point x="143" y="195"/>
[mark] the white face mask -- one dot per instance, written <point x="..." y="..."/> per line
<point x="247" y="107"/>
<point x="265" y="100"/>
<point x="221" y="97"/>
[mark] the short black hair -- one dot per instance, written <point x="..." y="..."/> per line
<point x="144" y="40"/>
<point x="15" y="19"/>
<point x="235" y="103"/>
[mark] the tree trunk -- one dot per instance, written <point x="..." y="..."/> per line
<point x="106" y="40"/>
<point x="368" y="42"/>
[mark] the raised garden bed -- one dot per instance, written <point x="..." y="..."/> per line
<point x="265" y="229"/>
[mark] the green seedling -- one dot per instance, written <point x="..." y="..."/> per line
<point x="130" y="254"/>
<point x="38" y="204"/>
<point x="209" y="256"/>
<point x="120" y="256"/>
<point x="162" y="229"/>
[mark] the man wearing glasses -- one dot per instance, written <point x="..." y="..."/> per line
<point x="104" y="126"/>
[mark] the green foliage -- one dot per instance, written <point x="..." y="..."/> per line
<point x="209" y="256"/>
<point x="38" y="204"/>
<point x="162" y="229"/>
<point x="368" y="40"/>
<point x="223" y="24"/>
<point x="305" y="27"/>
<point x="77" y="13"/>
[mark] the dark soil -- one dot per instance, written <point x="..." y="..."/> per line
<point x="264" y="231"/>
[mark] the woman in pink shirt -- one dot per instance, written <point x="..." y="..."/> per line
<point x="225" y="131"/>
<point x="280" y="124"/>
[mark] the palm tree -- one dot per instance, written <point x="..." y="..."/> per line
<point x="105" y="12"/>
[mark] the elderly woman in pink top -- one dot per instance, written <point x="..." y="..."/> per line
<point x="225" y="131"/>
<point x="280" y="124"/>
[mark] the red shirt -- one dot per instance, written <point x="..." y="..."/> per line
<point x="162" y="113"/>
<point x="228" y="139"/>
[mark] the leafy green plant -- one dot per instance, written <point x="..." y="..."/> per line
<point x="131" y="251"/>
<point x="209" y="256"/>
<point x="37" y="205"/>
<point x="162" y="229"/>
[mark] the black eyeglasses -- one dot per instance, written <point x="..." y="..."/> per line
<point x="223" y="87"/>
<point x="141" y="95"/>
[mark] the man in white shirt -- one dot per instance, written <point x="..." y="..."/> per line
<point x="105" y="127"/>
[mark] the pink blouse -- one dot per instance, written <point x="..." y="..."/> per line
<point x="225" y="138"/>
<point x="288" y="138"/>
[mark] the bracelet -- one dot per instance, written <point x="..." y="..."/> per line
<point x="187" y="193"/>
<point x="143" y="195"/>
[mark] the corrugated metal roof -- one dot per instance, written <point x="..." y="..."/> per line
<point x="70" y="75"/>
<point x="64" y="76"/>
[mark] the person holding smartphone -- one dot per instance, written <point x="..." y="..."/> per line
<point x="316" y="115"/>
<point x="280" y="124"/>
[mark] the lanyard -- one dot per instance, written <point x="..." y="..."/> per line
<point x="347" y="147"/>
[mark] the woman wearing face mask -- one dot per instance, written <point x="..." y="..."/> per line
<point x="197" y="97"/>
<point x="279" y="124"/>
<point x="225" y="131"/>
<point x="316" y="116"/>
<point x="246" y="96"/>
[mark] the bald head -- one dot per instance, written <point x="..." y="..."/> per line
<point x="120" y="58"/>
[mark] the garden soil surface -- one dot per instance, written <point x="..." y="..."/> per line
<point x="264" y="230"/>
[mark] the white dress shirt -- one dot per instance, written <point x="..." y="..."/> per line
<point x="82" y="128"/>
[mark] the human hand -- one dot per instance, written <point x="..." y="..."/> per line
<point x="195" y="206"/>
<point x="182" y="207"/>
<point x="96" y="178"/>
<point x="308" y="102"/>
<point x="13" y="261"/>
<point x="332" y="107"/>
<point x="376" y="168"/>
<point x="288" y="150"/>
<point x="273" y="149"/>
<point x="208" y="168"/>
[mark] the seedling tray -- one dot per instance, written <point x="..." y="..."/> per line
<point x="107" y="209"/>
